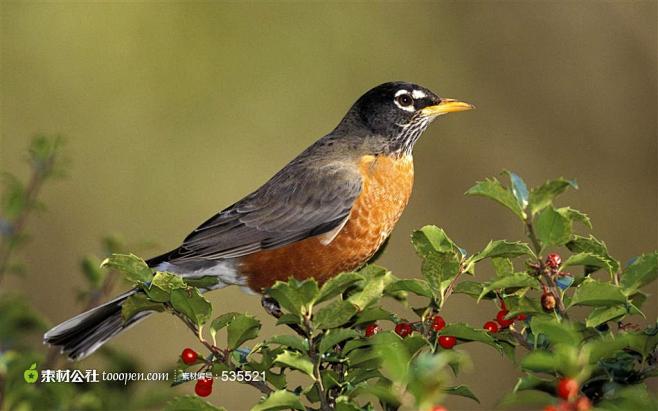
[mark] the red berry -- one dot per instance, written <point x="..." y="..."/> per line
<point x="439" y="408"/>
<point x="500" y="317"/>
<point x="372" y="329"/>
<point x="447" y="341"/>
<point x="521" y="317"/>
<point x="550" y="408"/>
<point x="567" y="388"/>
<point x="403" y="329"/>
<point x="203" y="387"/>
<point x="438" y="323"/>
<point x="583" y="404"/>
<point x="189" y="356"/>
<point x="491" y="326"/>
<point x="548" y="301"/>
<point x="553" y="260"/>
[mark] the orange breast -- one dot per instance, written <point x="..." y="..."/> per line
<point x="387" y="184"/>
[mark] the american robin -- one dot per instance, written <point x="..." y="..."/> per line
<point x="325" y="212"/>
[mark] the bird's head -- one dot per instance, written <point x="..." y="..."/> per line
<point x="399" y="112"/>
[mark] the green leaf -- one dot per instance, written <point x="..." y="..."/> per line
<point x="596" y="293"/>
<point x="503" y="249"/>
<point x="640" y="273"/>
<point x="137" y="303"/>
<point x="394" y="356"/>
<point x="592" y="245"/>
<point x="418" y="287"/>
<point x="297" y="361"/>
<point x="519" y="189"/>
<point x="242" y="328"/>
<point x="543" y="196"/>
<point x="295" y="296"/>
<point x="552" y="228"/>
<point x="291" y="341"/>
<point x="589" y="260"/>
<point x="279" y="400"/>
<point x="160" y="287"/>
<point x="431" y="238"/>
<point x="334" y="314"/>
<point x="600" y="315"/>
<point x="373" y="314"/>
<point x="556" y="332"/>
<point x="134" y="268"/>
<point x="221" y="322"/>
<point x="540" y="361"/>
<point x="527" y="400"/>
<point x="472" y="288"/>
<point x="191" y="303"/>
<point x="376" y="279"/>
<point x="462" y="391"/>
<point x="502" y="266"/>
<point x="532" y="382"/>
<point x="466" y="333"/>
<point x="207" y="281"/>
<point x="336" y="336"/>
<point x="516" y="280"/>
<point x="190" y="402"/>
<point x="493" y="189"/>
<point x="289" y="318"/>
<point x="575" y="215"/>
<point x="337" y="285"/>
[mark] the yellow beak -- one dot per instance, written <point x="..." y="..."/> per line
<point x="447" y="105"/>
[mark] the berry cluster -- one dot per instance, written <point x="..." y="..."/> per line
<point x="568" y="389"/>
<point x="203" y="387"/>
<point x="404" y="329"/>
<point x="502" y="321"/>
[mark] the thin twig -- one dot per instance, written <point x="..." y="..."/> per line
<point x="521" y="339"/>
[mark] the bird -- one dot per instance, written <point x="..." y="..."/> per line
<point x="327" y="211"/>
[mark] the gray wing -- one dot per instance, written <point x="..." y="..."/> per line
<point x="297" y="203"/>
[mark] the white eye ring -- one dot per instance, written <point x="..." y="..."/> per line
<point x="404" y="101"/>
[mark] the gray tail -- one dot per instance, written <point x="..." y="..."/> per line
<point x="83" y="334"/>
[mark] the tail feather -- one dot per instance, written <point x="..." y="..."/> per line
<point x="83" y="334"/>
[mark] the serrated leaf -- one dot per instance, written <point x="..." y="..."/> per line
<point x="516" y="280"/>
<point x="242" y="328"/>
<point x="575" y="215"/>
<point x="133" y="267"/>
<point x="297" y="361"/>
<point x="413" y="285"/>
<point x="543" y="196"/>
<point x="334" y="314"/>
<point x="431" y="238"/>
<point x="376" y="279"/>
<point x="192" y="304"/>
<point x="504" y="249"/>
<point x="206" y="282"/>
<point x="465" y="332"/>
<point x="600" y="315"/>
<point x="502" y="266"/>
<point x="596" y="293"/>
<point x="279" y="400"/>
<point x="291" y="341"/>
<point x="588" y="259"/>
<point x="493" y="189"/>
<point x="540" y="361"/>
<point x="373" y="314"/>
<point x="462" y="391"/>
<point x="337" y="285"/>
<point x="472" y="288"/>
<point x="556" y="332"/>
<point x="530" y="399"/>
<point x="289" y="318"/>
<point x="221" y="322"/>
<point x="640" y="273"/>
<point x="137" y="303"/>
<point x="519" y="188"/>
<point x="336" y="336"/>
<point x="190" y="402"/>
<point x="552" y="228"/>
<point x="159" y="289"/>
<point x="592" y="245"/>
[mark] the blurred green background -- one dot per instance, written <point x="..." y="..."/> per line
<point x="174" y="110"/>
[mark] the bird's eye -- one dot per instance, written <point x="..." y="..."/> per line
<point x="404" y="100"/>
